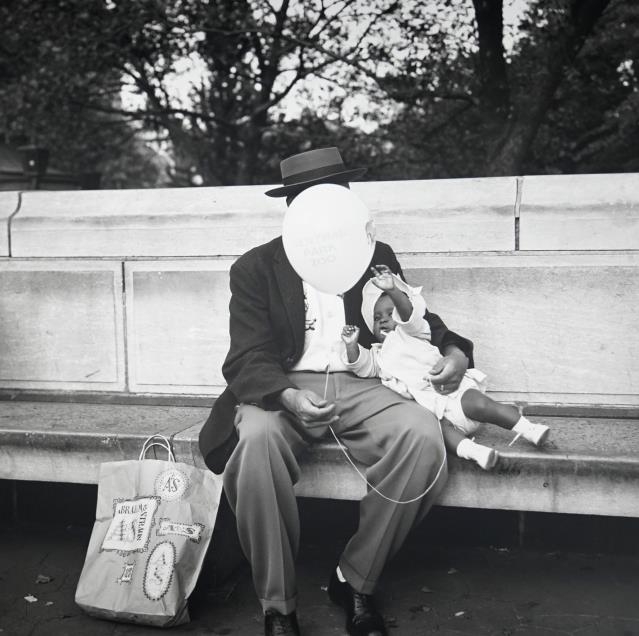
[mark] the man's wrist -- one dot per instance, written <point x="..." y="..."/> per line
<point x="455" y="351"/>
<point x="285" y="398"/>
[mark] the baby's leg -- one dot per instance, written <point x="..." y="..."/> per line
<point x="478" y="406"/>
<point x="457" y="443"/>
<point x="452" y="436"/>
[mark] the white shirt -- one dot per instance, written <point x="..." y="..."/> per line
<point x="323" y="344"/>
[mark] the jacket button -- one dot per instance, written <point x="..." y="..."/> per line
<point x="289" y="360"/>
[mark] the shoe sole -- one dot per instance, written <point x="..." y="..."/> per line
<point x="542" y="438"/>
<point x="493" y="458"/>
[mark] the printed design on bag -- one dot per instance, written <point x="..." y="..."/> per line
<point x="159" y="571"/>
<point x="130" y="528"/>
<point x="127" y="573"/>
<point x="171" y="484"/>
<point x="192" y="531"/>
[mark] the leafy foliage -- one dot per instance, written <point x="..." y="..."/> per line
<point x="559" y="101"/>
<point x="158" y="92"/>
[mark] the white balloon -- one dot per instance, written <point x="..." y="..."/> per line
<point x="329" y="237"/>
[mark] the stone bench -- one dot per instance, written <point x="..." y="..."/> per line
<point x="114" y="323"/>
<point x="591" y="464"/>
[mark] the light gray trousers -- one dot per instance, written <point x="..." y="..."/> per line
<point x="398" y="440"/>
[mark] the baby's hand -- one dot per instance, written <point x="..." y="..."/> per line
<point x="350" y="334"/>
<point x="383" y="277"/>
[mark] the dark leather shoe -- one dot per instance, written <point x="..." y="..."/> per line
<point x="362" y="619"/>
<point x="276" y="624"/>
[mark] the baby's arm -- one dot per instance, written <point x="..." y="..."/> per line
<point x="383" y="278"/>
<point x="350" y="336"/>
<point x="358" y="360"/>
<point x="410" y="309"/>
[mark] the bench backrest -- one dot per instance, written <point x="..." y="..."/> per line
<point x="127" y="291"/>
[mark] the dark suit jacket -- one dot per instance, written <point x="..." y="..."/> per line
<point x="267" y="337"/>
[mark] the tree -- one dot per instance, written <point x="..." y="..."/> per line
<point x="251" y="53"/>
<point x="474" y="108"/>
<point x="569" y="26"/>
<point x="52" y="71"/>
<point x="593" y="122"/>
<point x="414" y="89"/>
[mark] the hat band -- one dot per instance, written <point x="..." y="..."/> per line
<point x="315" y="173"/>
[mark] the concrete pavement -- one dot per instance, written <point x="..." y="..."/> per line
<point x="436" y="585"/>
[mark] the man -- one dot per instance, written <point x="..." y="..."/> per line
<point x="282" y="336"/>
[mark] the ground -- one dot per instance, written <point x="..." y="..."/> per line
<point x="461" y="572"/>
<point x="437" y="584"/>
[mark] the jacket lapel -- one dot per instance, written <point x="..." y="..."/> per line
<point x="292" y="292"/>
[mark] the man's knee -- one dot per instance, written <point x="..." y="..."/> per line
<point x="416" y="423"/>
<point x="261" y="434"/>
<point x="256" y="426"/>
<point x="419" y="434"/>
<point x="263" y="453"/>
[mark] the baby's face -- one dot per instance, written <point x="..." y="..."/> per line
<point x="383" y="322"/>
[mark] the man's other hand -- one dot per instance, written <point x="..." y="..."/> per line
<point x="448" y="372"/>
<point x="308" y="407"/>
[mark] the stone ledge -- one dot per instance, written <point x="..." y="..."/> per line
<point x="62" y="325"/>
<point x="572" y="212"/>
<point x="66" y="442"/>
<point x="589" y="466"/>
<point x="438" y="215"/>
<point x="580" y="212"/>
<point x="525" y="311"/>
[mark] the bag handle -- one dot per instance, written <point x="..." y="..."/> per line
<point x="164" y="443"/>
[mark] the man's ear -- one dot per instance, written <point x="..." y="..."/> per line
<point x="371" y="231"/>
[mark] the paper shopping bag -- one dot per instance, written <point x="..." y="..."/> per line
<point x="154" y="521"/>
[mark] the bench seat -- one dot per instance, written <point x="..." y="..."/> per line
<point x="589" y="466"/>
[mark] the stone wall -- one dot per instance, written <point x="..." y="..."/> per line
<point x="127" y="291"/>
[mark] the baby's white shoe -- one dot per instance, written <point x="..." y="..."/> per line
<point x="534" y="433"/>
<point x="482" y="455"/>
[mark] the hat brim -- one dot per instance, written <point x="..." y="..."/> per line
<point x="337" y="177"/>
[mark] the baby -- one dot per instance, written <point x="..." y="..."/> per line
<point x="403" y="355"/>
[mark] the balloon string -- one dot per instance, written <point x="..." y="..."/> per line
<point x="328" y="369"/>
<point x="359" y="472"/>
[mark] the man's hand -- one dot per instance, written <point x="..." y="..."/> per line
<point x="448" y="372"/>
<point x="308" y="407"/>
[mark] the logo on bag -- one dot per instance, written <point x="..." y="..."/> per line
<point x="192" y="531"/>
<point x="130" y="528"/>
<point x="127" y="573"/>
<point x="159" y="571"/>
<point x="171" y="484"/>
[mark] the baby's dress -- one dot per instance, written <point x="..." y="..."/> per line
<point x="406" y="356"/>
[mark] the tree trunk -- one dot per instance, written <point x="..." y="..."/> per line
<point x="495" y="92"/>
<point x="518" y="138"/>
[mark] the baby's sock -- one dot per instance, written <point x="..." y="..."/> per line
<point x="535" y="433"/>
<point x="483" y="455"/>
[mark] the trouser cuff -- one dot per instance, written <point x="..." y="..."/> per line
<point x="355" y="580"/>
<point x="282" y="606"/>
